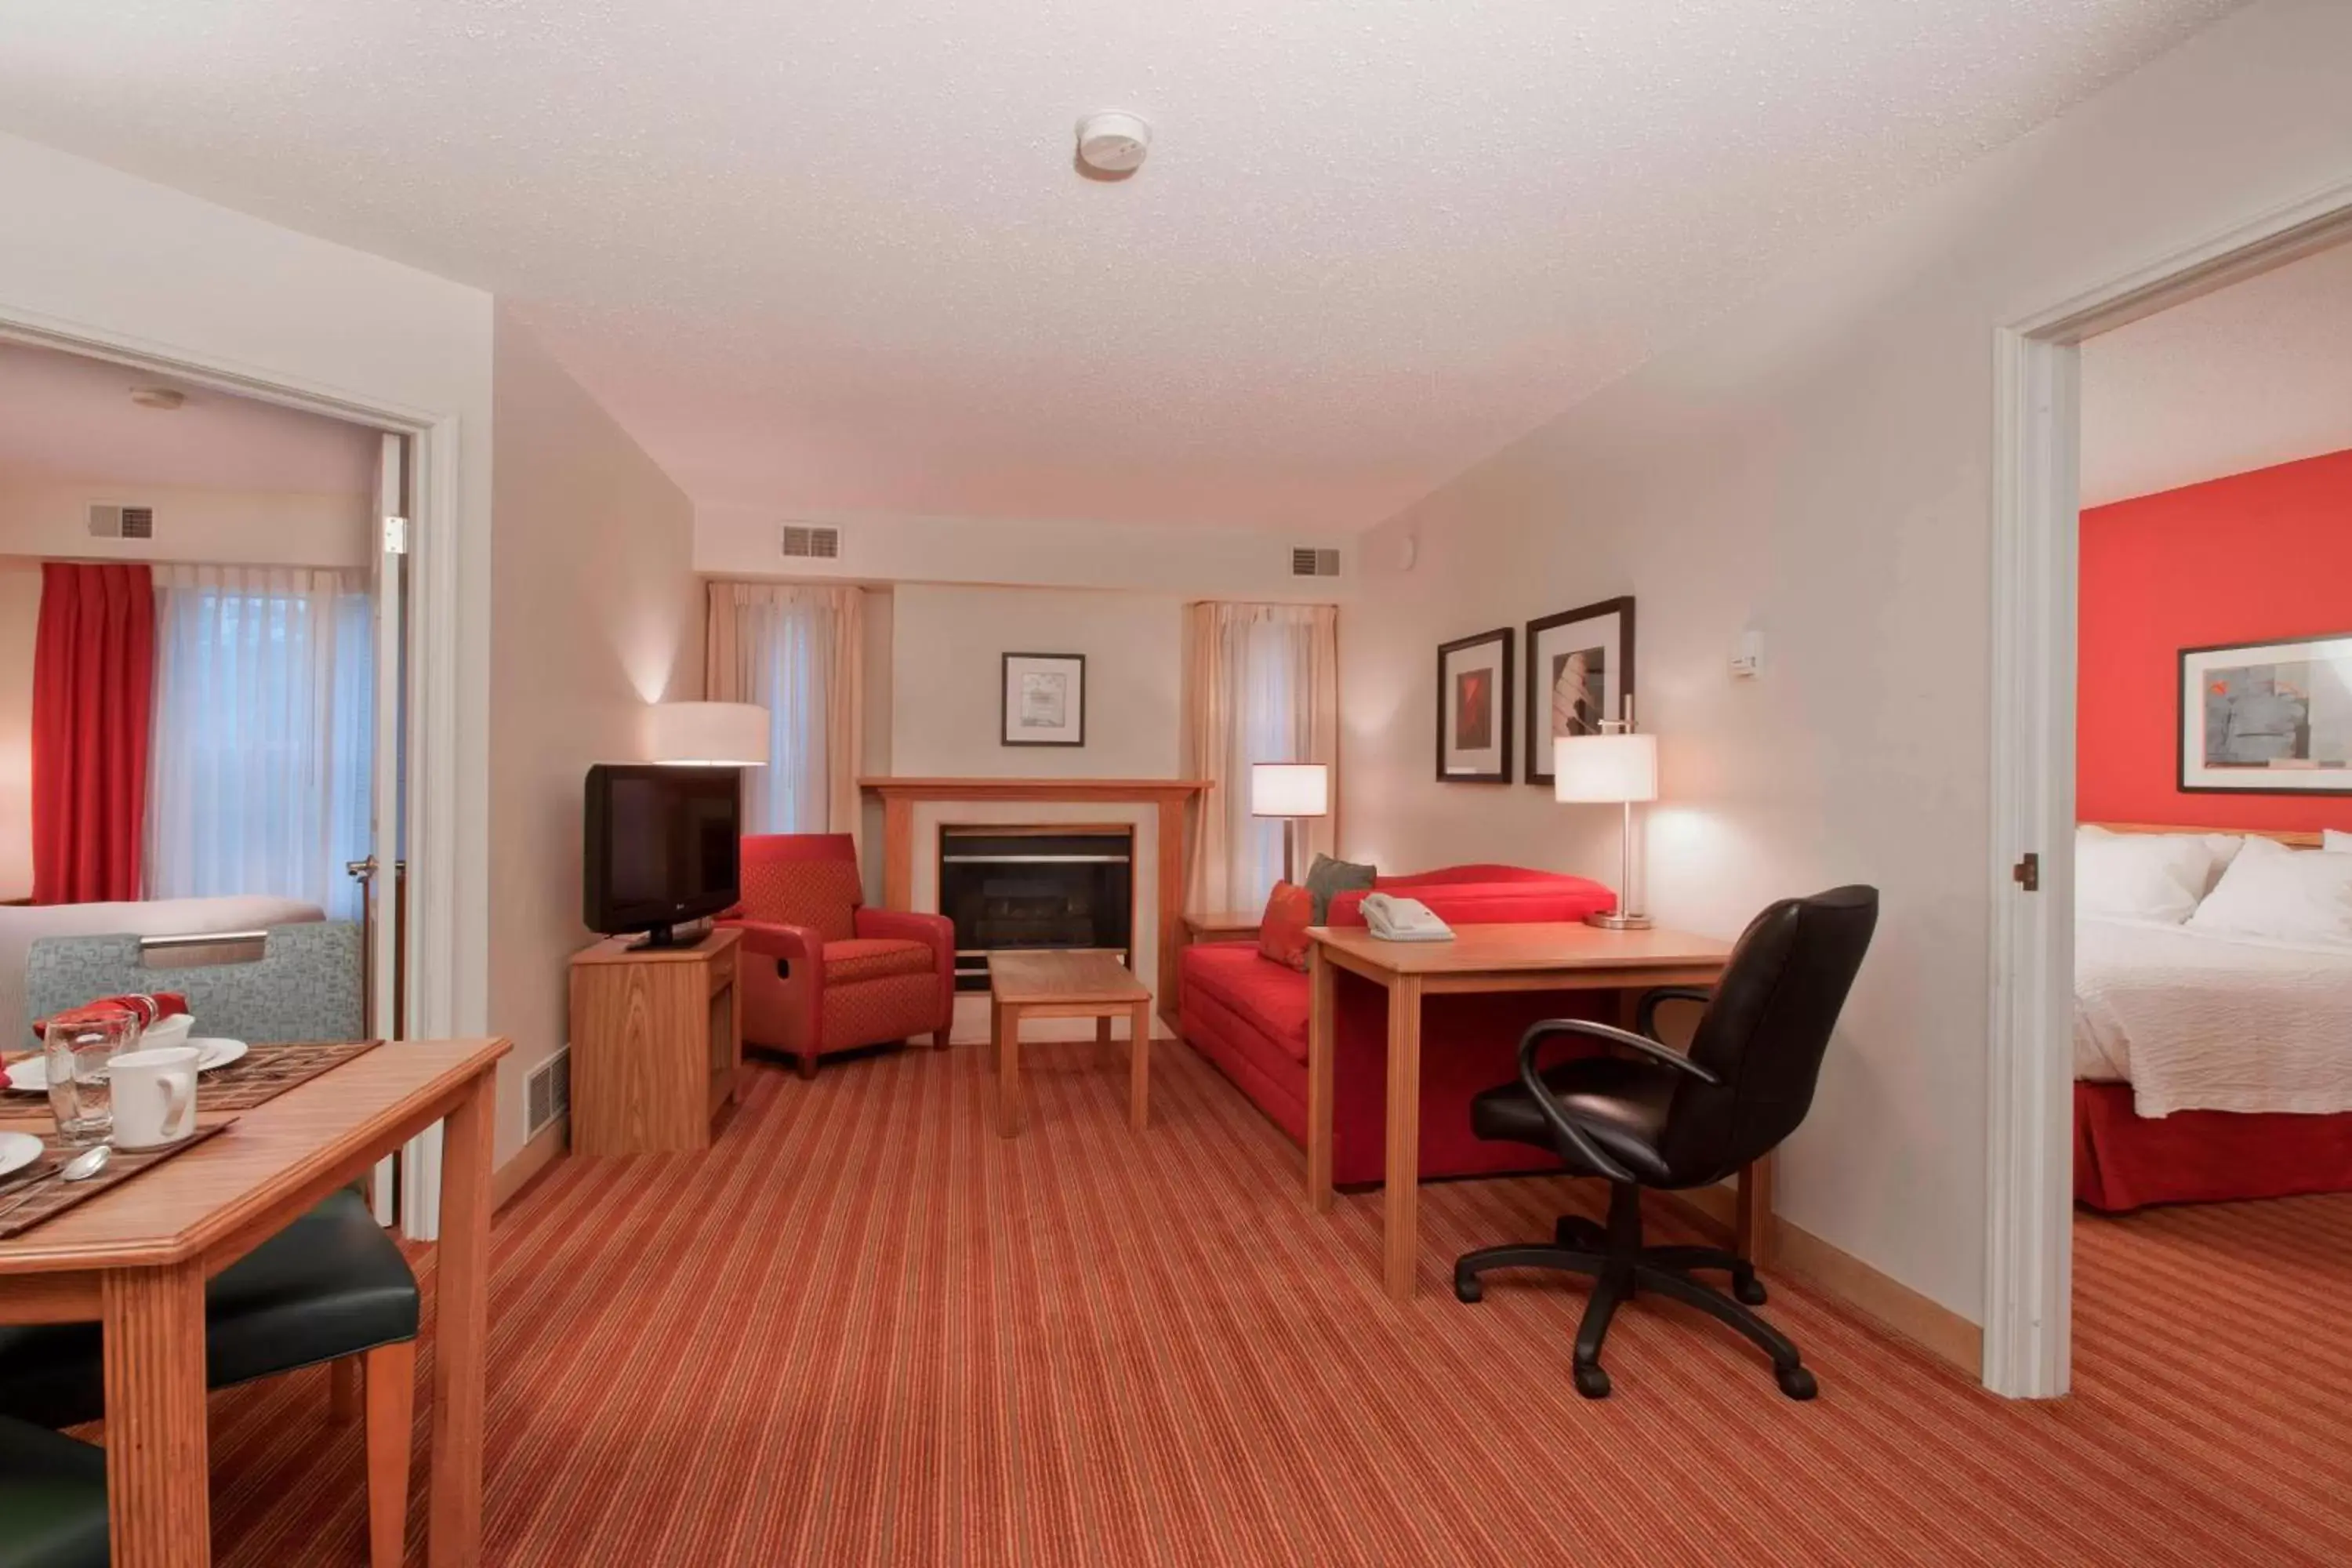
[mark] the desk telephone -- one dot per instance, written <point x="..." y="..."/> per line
<point x="1392" y="919"/>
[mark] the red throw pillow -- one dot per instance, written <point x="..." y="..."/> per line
<point x="1282" y="934"/>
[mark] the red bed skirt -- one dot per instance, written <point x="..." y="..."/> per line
<point x="2123" y="1161"/>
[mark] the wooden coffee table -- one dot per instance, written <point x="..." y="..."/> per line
<point x="1072" y="984"/>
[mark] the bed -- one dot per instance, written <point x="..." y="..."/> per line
<point x="2209" y="1068"/>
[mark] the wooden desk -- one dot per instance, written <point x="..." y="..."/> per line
<point x="1553" y="956"/>
<point x="137" y="1258"/>
<point x="1069" y="984"/>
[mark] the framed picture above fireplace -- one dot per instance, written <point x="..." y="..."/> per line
<point x="1045" y="700"/>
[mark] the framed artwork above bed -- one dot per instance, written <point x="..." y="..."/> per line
<point x="2267" y="717"/>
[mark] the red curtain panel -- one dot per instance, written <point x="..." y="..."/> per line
<point x="93" y="687"/>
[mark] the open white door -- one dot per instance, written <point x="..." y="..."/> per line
<point x="420" y="1161"/>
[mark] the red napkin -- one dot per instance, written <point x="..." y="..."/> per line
<point x="145" y="1008"/>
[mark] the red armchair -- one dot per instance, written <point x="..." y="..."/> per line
<point x="822" y="973"/>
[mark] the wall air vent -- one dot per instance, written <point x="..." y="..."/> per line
<point x="1309" y="562"/>
<point x="122" y="521"/>
<point x="546" y="1093"/>
<point x="812" y="543"/>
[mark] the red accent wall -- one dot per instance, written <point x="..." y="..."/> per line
<point x="2256" y="557"/>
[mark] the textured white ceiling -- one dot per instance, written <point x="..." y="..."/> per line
<point x="836" y="257"/>
<point x="64" y="417"/>
<point x="2253" y="374"/>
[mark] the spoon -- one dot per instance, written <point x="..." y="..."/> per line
<point x="81" y="1168"/>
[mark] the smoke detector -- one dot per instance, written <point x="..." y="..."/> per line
<point x="1114" y="143"/>
<point x="158" y="396"/>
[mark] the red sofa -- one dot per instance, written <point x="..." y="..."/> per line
<point x="1248" y="1014"/>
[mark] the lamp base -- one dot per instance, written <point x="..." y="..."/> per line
<point x="1619" y="923"/>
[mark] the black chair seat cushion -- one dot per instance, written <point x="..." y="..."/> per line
<point x="52" y="1500"/>
<point x="1622" y="1104"/>
<point x="332" y="1284"/>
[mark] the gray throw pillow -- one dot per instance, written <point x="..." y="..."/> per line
<point x="1328" y="878"/>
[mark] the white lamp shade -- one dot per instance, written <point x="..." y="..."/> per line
<point x="708" y="734"/>
<point x="1290" y="789"/>
<point x="1609" y="770"/>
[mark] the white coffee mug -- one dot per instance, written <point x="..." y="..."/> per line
<point x="154" y="1096"/>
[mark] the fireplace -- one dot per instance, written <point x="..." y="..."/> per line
<point x="1012" y="888"/>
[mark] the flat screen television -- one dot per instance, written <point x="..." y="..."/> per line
<point x="661" y="847"/>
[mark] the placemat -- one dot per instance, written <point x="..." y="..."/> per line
<point x="51" y="1198"/>
<point x="261" y="1075"/>
<point x="265" y="1072"/>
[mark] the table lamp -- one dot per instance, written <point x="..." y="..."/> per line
<point x="1615" y="767"/>
<point x="708" y="734"/>
<point x="1292" y="791"/>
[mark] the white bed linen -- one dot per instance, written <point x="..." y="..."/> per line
<point x="2195" y="1022"/>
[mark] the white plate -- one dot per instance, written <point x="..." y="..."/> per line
<point x="31" y="1076"/>
<point x="18" y="1150"/>
<point x="215" y="1053"/>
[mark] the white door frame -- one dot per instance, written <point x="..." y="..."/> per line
<point x="2029" y="1178"/>
<point x="433" y="728"/>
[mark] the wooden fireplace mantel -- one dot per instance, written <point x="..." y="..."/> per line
<point x="1169" y="796"/>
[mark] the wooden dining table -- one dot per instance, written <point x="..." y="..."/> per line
<point x="136" y="1257"/>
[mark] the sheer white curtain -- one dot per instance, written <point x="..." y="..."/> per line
<point x="1262" y="686"/>
<point x="259" y="769"/>
<point x="794" y="651"/>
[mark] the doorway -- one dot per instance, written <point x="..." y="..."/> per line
<point x="268" y="537"/>
<point x="2033" y="744"/>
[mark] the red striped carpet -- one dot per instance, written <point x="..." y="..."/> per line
<point x="863" y="1330"/>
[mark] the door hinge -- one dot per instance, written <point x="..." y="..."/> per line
<point x="395" y="536"/>
<point x="2026" y="873"/>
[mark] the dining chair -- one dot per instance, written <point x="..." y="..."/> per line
<point x="331" y="1287"/>
<point x="52" y="1500"/>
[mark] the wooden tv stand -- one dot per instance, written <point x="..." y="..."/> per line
<point x="656" y="1043"/>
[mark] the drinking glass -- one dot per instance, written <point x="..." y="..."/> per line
<point x="77" y="1056"/>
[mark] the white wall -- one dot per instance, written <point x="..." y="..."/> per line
<point x="106" y="259"/>
<point x="20" y="613"/>
<point x="947" y="680"/>
<point x="50" y="518"/>
<point x="1818" y="465"/>
<point x="598" y="613"/>
<point x="1205" y="563"/>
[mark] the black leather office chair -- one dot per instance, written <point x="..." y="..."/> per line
<point x="1669" y="1121"/>
<point x="331" y="1287"/>
<point x="52" y="1500"/>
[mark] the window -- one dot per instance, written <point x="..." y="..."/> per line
<point x="1261" y="688"/>
<point x="793" y="651"/>
<point x="259" y="776"/>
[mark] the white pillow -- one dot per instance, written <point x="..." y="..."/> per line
<point x="2140" y="876"/>
<point x="2282" y="895"/>
<point x="2332" y="839"/>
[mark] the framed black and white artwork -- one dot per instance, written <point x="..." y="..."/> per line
<point x="1474" y="709"/>
<point x="1045" y="700"/>
<point x="2268" y="718"/>
<point x="1579" y="671"/>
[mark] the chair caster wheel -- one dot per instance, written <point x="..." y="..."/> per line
<point x="1592" y="1382"/>
<point x="1468" y="1289"/>
<point x="1796" y="1381"/>
<point x="1749" y="1291"/>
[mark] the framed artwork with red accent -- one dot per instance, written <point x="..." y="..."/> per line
<point x="1474" y="709"/>
<point x="2267" y="717"/>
